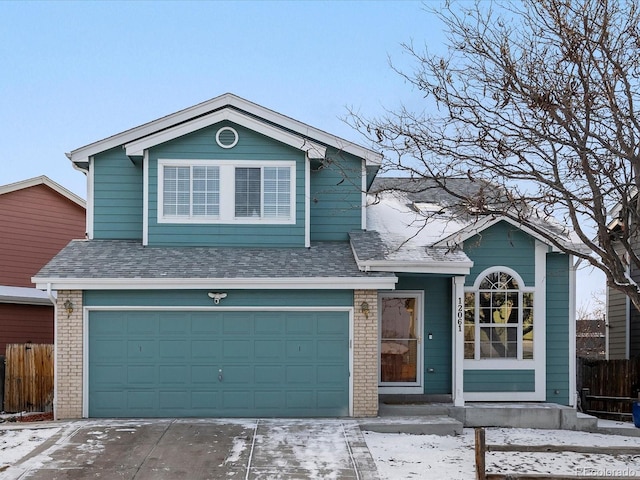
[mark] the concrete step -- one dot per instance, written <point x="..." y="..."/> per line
<point x="416" y="425"/>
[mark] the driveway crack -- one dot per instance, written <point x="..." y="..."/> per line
<point x="135" y="475"/>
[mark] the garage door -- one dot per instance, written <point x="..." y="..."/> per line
<point x="221" y="364"/>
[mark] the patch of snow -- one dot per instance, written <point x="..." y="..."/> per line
<point x="431" y="456"/>
<point x="15" y="444"/>
<point x="239" y="446"/>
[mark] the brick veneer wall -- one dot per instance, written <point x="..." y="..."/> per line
<point x="365" y="354"/>
<point x="68" y="401"/>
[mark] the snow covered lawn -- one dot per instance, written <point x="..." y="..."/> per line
<point x="18" y="442"/>
<point x="430" y="456"/>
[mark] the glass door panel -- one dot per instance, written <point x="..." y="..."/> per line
<point x="399" y="338"/>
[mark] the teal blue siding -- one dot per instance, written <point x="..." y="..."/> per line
<point x="117" y="194"/>
<point x="336" y="197"/>
<point x="558" y="328"/>
<point x="504" y="245"/>
<point x="499" y="381"/>
<point x="437" y="321"/>
<point x="251" y="146"/>
<point x="235" y="298"/>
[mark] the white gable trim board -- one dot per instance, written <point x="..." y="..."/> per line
<point x="137" y="148"/>
<point x="81" y="155"/>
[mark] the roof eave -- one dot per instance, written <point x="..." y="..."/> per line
<point x="263" y="283"/>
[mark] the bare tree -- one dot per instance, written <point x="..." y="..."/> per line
<point x="540" y="97"/>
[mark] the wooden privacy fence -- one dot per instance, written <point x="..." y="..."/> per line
<point x="612" y="386"/>
<point x="28" y="382"/>
<point x="482" y="448"/>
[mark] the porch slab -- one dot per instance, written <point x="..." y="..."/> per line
<point x="415" y="425"/>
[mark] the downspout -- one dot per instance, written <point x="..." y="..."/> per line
<point x="55" y="350"/>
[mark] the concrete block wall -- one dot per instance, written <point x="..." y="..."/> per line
<point x="68" y="394"/>
<point x="365" y="354"/>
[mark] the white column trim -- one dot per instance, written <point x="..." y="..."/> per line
<point x="457" y="286"/>
<point x="307" y="201"/>
<point x="572" y="333"/>
<point x="145" y="198"/>
<point x="363" y="208"/>
<point x="90" y="199"/>
<point x="540" y="320"/>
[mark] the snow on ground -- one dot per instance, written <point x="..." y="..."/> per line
<point x="402" y="455"/>
<point x="16" y="443"/>
<point x="431" y="456"/>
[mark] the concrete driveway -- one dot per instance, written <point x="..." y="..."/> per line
<point x="201" y="449"/>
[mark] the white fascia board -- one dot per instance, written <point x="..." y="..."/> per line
<point x="444" y="268"/>
<point x="23" y="295"/>
<point x="477" y="227"/>
<point x="293" y="283"/>
<point x="43" y="180"/>
<point x="314" y="150"/>
<point x="81" y="154"/>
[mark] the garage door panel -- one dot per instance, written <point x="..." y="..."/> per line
<point x="172" y="375"/>
<point x="269" y="374"/>
<point x="142" y="375"/>
<point x="236" y="349"/>
<point x="268" y="350"/>
<point x="142" y="350"/>
<point x="161" y="364"/>
<point x="107" y="350"/>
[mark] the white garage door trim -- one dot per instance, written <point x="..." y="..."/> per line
<point x="85" y="334"/>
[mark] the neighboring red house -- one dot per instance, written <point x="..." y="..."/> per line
<point x="38" y="217"/>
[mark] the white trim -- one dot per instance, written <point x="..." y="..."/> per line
<point x="627" y="320"/>
<point x="363" y="200"/>
<point x="24" y="296"/>
<point x="43" y="180"/>
<point x="227" y="192"/>
<point x="433" y="266"/>
<point x="224" y="129"/>
<point x="538" y="363"/>
<point x="572" y="334"/>
<point x="91" y="167"/>
<point x="267" y="283"/>
<point x="404" y="387"/>
<point x="540" y="322"/>
<point x="307" y="201"/>
<point x="145" y="198"/>
<point x="81" y="154"/>
<point x="457" y="321"/>
<point x="487" y="222"/>
<point x="137" y="147"/>
<point x="85" y="334"/>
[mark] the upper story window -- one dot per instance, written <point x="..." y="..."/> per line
<point x="499" y="317"/>
<point x="225" y="191"/>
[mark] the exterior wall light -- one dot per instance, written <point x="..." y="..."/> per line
<point x="217" y="296"/>
<point x="68" y="306"/>
<point x="364" y="308"/>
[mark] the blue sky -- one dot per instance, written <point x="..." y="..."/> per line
<point x="76" y="72"/>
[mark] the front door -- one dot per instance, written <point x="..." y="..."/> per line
<point x="400" y="346"/>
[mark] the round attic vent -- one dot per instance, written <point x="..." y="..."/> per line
<point x="227" y="137"/>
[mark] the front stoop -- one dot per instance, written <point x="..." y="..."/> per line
<point x="415" y="425"/>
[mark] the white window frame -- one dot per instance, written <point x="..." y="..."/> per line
<point x="227" y="192"/>
<point x="479" y="363"/>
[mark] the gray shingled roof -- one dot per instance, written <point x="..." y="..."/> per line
<point x="129" y="259"/>
<point x="427" y="190"/>
<point x="369" y="245"/>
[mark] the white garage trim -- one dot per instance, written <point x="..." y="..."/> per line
<point x="85" y="334"/>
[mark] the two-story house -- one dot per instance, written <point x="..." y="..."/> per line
<point x="233" y="268"/>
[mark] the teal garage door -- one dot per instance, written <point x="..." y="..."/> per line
<point x="218" y="364"/>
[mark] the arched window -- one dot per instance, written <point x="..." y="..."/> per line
<point x="499" y="317"/>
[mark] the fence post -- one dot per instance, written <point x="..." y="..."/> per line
<point x="584" y="401"/>
<point x="481" y="448"/>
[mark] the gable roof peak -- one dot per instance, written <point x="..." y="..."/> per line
<point x="80" y="156"/>
<point x="43" y="180"/>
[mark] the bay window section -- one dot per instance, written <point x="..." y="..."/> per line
<point x="499" y="318"/>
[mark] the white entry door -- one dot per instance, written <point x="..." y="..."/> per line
<point x="400" y="344"/>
